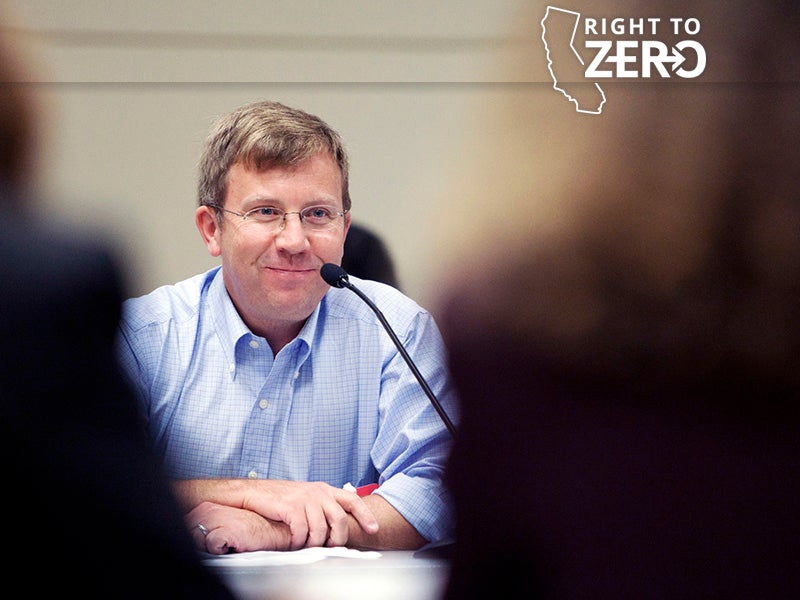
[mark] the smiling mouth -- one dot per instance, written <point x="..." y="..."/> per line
<point x="290" y="271"/>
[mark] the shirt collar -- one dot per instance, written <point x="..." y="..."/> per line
<point x="231" y="328"/>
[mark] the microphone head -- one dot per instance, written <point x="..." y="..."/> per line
<point x="334" y="275"/>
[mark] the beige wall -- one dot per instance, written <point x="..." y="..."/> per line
<point x="133" y="87"/>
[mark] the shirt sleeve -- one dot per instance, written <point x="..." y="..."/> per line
<point x="413" y="444"/>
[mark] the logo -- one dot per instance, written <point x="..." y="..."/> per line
<point x="619" y="48"/>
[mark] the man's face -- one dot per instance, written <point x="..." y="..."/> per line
<point x="272" y="272"/>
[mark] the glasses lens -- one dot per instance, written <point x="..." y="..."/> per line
<point x="319" y="217"/>
<point x="314" y="218"/>
<point x="265" y="214"/>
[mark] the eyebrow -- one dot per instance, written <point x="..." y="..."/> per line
<point x="256" y="201"/>
<point x="259" y="200"/>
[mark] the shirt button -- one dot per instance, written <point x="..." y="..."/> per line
<point x="232" y="367"/>
<point x="252" y="475"/>
<point x="263" y="403"/>
<point x="253" y="344"/>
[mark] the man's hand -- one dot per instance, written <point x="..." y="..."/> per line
<point x="315" y="512"/>
<point x="220" y="529"/>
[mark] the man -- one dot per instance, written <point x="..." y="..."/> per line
<point x="265" y="390"/>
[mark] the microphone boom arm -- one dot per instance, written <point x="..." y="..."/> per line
<point x="343" y="281"/>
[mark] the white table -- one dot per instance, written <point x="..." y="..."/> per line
<point x="387" y="575"/>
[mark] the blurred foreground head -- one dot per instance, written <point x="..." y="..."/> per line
<point x="83" y="467"/>
<point x="621" y="311"/>
<point x="18" y="114"/>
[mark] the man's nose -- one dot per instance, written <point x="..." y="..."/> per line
<point x="292" y="234"/>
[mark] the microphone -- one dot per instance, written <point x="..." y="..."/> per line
<point x="336" y="276"/>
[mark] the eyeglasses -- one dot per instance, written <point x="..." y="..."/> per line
<point x="313" y="218"/>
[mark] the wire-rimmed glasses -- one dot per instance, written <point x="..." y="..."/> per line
<point x="313" y="218"/>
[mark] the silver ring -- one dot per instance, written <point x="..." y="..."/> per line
<point x="202" y="529"/>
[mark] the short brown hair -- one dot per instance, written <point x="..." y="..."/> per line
<point x="264" y="134"/>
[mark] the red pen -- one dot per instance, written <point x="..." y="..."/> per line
<point x="364" y="490"/>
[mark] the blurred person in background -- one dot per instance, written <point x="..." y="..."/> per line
<point x="366" y="256"/>
<point x="626" y="339"/>
<point x="84" y="494"/>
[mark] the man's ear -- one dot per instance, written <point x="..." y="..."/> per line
<point x="347" y="219"/>
<point x="206" y="220"/>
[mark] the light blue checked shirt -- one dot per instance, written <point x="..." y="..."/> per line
<point x="337" y="404"/>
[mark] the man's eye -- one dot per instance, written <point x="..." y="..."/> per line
<point x="265" y="211"/>
<point x="318" y="212"/>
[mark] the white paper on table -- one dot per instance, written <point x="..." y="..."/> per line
<point x="279" y="558"/>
